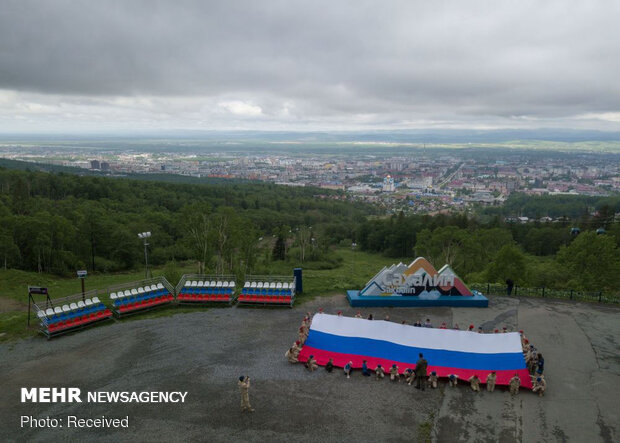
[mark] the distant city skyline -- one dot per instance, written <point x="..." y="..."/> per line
<point x="105" y="67"/>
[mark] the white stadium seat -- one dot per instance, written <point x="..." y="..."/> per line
<point x="253" y="284"/>
<point x="81" y="304"/>
<point x="246" y="284"/>
<point x="57" y="310"/>
<point x="218" y="284"/>
<point x="49" y="312"/>
<point x="231" y="284"/>
<point x="127" y="293"/>
<point x="224" y="284"/>
<point x="134" y="292"/>
<point x="279" y="286"/>
<point x="40" y="313"/>
<point x="272" y="285"/>
<point x="73" y="306"/>
<point x="65" y="308"/>
<point x="88" y="302"/>
<point x="194" y="284"/>
<point x="96" y="300"/>
<point x="201" y="284"/>
<point x="212" y="284"/>
<point x="113" y="296"/>
<point x="160" y="286"/>
<point x="140" y="290"/>
<point x="259" y="285"/>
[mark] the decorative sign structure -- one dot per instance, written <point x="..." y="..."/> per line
<point x="417" y="278"/>
<point x="417" y="284"/>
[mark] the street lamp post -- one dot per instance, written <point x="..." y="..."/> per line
<point x="145" y="236"/>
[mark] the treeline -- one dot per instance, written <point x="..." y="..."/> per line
<point x="62" y="222"/>
<point x="533" y="254"/>
<point x="573" y="207"/>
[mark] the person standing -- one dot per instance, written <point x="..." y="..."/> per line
<point x="420" y="372"/>
<point x="244" y="389"/>
<point x="491" y="381"/>
<point x="515" y="383"/>
<point x="540" y="363"/>
<point x="365" y="371"/>
<point x="509" y="285"/>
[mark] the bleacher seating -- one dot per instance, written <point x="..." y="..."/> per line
<point x="206" y="289"/>
<point x="268" y="292"/>
<point x="142" y="296"/>
<point x="71" y="315"/>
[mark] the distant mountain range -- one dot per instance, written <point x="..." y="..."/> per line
<point x="378" y="136"/>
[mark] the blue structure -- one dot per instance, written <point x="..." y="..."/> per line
<point x="299" y="286"/>
<point x="420" y="301"/>
<point x="418" y="284"/>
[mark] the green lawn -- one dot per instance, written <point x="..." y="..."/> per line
<point x="356" y="269"/>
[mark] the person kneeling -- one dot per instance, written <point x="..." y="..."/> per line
<point x="539" y="386"/>
<point x="379" y="372"/>
<point x="475" y="383"/>
<point x="311" y="364"/>
<point x="432" y="380"/>
<point x="348" y="368"/>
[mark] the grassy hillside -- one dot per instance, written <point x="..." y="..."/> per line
<point x="356" y="269"/>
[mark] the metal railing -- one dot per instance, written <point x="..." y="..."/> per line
<point x="204" y="277"/>
<point x="543" y="292"/>
<point x="57" y="302"/>
<point x="141" y="283"/>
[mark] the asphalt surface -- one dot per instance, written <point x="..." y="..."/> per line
<point x="204" y="353"/>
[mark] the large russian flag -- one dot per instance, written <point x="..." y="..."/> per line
<point x="447" y="351"/>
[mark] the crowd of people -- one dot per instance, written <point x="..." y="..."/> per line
<point x="418" y="375"/>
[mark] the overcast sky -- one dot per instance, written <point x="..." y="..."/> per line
<point x="314" y="65"/>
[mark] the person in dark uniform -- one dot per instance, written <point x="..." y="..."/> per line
<point x="420" y="372"/>
<point x="329" y="367"/>
<point x="509" y="285"/>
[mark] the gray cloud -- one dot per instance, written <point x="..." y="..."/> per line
<point x="280" y="64"/>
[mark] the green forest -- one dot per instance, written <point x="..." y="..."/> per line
<point x="59" y="222"/>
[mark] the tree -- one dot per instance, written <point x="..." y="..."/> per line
<point x="9" y="251"/>
<point x="509" y="263"/>
<point x="279" y="248"/>
<point x="591" y="262"/>
<point x="198" y="227"/>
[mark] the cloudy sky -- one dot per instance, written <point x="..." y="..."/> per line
<point x="315" y="65"/>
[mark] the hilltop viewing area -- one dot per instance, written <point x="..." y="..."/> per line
<point x="206" y="349"/>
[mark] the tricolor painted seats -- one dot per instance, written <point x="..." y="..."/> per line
<point x="140" y="298"/>
<point x="71" y="315"/>
<point x="207" y="291"/>
<point x="266" y="293"/>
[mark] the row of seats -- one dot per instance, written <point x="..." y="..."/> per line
<point x="268" y="291"/>
<point x="281" y="299"/>
<point x="70" y="311"/>
<point x="79" y="321"/>
<point x="209" y="284"/>
<point x="204" y="297"/>
<point x="72" y="315"/>
<point x="199" y="290"/>
<point x="137" y="304"/>
<point x="271" y="285"/>
<point x="138" y="294"/>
